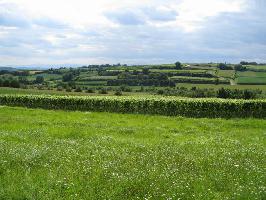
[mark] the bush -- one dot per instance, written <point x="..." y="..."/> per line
<point x="39" y="80"/>
<point x="240" y="67"/>
<point x="238" y="94"/>
<point x="160" y="92"/>
<point x="78" y="89"/>
<point x="68" y="89"/>
<point x="223" y="66"/>
<point x="152" y="105"/>
<point x="59" y="88"/>
<point x="178" y="65"/>
<point x="103" y="91"/>
<point x="118" y="93"/>
<point x="90" y="90"/>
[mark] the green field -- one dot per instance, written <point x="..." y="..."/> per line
<point x="216" y="87"/>
<point x="250" y="77"/>
<point x="257" y="67"/>
<point x="84" y="155"/>
<point x="5" y="90"/>
<point x="226" y="73"/>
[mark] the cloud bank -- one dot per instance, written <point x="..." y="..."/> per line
<point x="134" y="32"/>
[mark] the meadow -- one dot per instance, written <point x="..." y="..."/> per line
<point x="133" y="132"/>
<point x="139" y="80"/>
<point x="251" y="77"/>
<point x="48" y="154"/>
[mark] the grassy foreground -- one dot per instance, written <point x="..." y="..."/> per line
<point x="82" y="155"/>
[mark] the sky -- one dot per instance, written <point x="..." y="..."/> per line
<point x="83" y="32"/>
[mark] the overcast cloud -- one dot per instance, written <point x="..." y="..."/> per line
<point x="133" y="32"/>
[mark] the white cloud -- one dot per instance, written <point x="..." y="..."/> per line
<point x="43" y="31"/>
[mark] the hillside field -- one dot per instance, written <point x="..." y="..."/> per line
<point x="87" y="155"/>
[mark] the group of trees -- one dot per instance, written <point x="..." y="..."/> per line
<point x="238" y="67"/>
<point x="195" y="92"/>
<point x="144" y="82"/>
<point x="14" y="83"/>
<point x="238" y="94"/>
<point x="248" y="63"/>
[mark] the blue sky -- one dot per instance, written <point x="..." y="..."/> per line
<point x="46" y="32"/>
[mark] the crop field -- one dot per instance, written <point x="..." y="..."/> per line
<point x="85" y="155"/>
<point x="257" y="67"/>
<point x="254" y="80"/>
<point x="199" y="80"/>
<point x="98" y="78"/>
<point x="216" y="87"/>
<point x="226" y="73"/>
<point x="250" y="77"/>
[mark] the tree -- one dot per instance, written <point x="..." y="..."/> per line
<point x="223" y="93"/>
<point x="14" y="83"/>
<point x="67" y="77"/>
<point x="240" y="67"/>
<point x="145" y="71"/>
<point x="248" y="63"/>
<point x="22" y="79"/>
<point x="6" y="83"/>
<point x="243" y="63"/>
<point x="39" y="79"/>
<point x="178" y="65"/>
<point x="223" y="66"/>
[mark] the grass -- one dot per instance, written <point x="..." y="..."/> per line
<point x="192" y="78"/>
<point x="84" y="155"/>
<point x="250" y="77"/>
<point x="226" y="73"/>
<point x="257" y="67"/>
<point x="216" y="87"/>
<point x="177" y="71"/>
<point x="6" y="90"/>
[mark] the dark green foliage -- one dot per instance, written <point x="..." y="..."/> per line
<point x="141" y="82"/>
<point x="125" y="88"/>
<point x="68" y="77"/>
<point x="145" y="71"/>
<point x="14" y="83"/>
<point x="90" y="90"/>
<point x="178" y="65"/>
<point x="223" y="66"/>
<point x="68" y="89"/>
<point x="103" y="91"/>
<point x="237" y="94"/>
<point x="39" y="79"/>
<point x="59" y="88"/>
<point x="78" y="89"/>
<point x="118" y="93"/>
<point x="200" y="80"/>
<point x="160" y="92"/>
<point x="240" y="67"/>
<point x="162" y="106"/>
<point x="248" y="63"/>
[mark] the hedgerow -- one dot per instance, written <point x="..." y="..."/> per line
<point x="171" y="106"/>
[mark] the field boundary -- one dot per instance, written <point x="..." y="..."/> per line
<point x="170" y="106"/>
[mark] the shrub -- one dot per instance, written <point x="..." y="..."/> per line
<point x="152" y="105"/>
<point x="118" y="93"/>
<point x="103" y="91"/>
<point x="90" y="90"/>
<point x="78" y="89"/>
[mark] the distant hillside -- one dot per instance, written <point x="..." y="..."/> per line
<point x="7" y="68"/>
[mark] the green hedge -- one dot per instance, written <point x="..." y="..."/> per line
<point x="171" y="106"/>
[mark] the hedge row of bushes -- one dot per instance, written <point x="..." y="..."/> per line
<point x="171" y="106"/>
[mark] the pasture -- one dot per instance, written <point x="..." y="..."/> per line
<point x="85" y="155"/>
